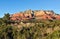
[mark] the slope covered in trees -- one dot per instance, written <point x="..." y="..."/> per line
<point x="44" y="29"/>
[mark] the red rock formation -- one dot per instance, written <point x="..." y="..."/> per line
<point x="46" y="17"/>
<point x="28" y="15"/>
<point x="17" y="16"/>
<point x="57" y="17"/>
<point x="38" y="15"/>
<point x="21" y="16"/>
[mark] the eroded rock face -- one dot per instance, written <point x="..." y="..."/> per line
<point x="57" y="17"/>
<point x="42" y="14"/>
<point x="39" y="13"/>
<point x="17" y="16"/>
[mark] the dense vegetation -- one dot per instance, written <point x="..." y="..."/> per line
<point x="43" y="29"/>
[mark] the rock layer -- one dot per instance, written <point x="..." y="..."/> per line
<point x="39" y="14"/>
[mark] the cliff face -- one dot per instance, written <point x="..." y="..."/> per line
<point x="41" y="14"/>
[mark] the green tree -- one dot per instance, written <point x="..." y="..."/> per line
<point x="6" y="16"/>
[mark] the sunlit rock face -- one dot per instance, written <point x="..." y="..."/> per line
<point x="28" y="15"/>
<point x="17" y="16"/>
<point x="43" y="15"/>
<point x="57" y="17"/>
<point x="13" y="18"/>
<point x="49" y="12"/>
<point x="39" y="14"/>
<point x="46" y="17"/>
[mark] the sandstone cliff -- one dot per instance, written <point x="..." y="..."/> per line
<point x="40" y="14"/>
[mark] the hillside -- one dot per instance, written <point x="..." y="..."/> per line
<point x="37" y="24"/>
<point x="44" y="29"/>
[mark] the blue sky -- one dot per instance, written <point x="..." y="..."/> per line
<point x="13" y="6"/>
